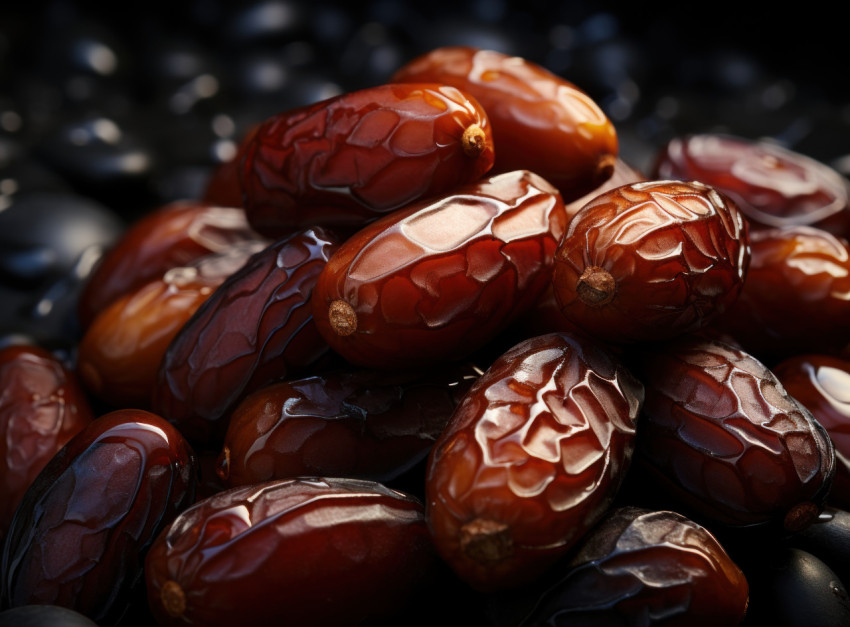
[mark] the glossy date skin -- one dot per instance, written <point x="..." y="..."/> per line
<point x="645" y="567"/>
<point x="541" y="122"/>
<point x="254" y="329"/>
<point x="822" y="384"/>
<point x="170" y="236"/>
<point x="121" y="350"/>
<point x="42" y="406"/>
<point x="721" y="434"/>
<point x="345" y="161"/>
<point x="772" y="186"/>
<point x="437" y="280"/>
<point x="304" y="551"/>
<point x="794" y="299"/>
<point x="651" y="260"/>
<point x="531" y="459"/>
<point x="80" y="534"/>
<point x="343" y="423"/>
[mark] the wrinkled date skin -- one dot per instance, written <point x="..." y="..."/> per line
<point x="254" y="329"/>
<point x="79" y="537"/>
<point x="531" y="459"/>
<point x="345" y="161"/>
<point x="170" y="236"/>
<point x="822" y="384"/>
<point x="42" y="406"/>
<point x="772" y="186"/>
<point x="541" y="122"/>
<point x="651" y="260"/>
<point x="436" y="281"/>
<point x="121" y="350"/>
<point x="302" y="551"/>
<point x="644" y="567"/>
<point x="794" y="299"/>
<point x="343" y="423"/>
<point x="724" y="437"/>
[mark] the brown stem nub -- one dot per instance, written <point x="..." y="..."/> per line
<point x="473" y="141"/>
<point x="486" y="541"/>
<point x="342" y="317"/>
<point x="596" y="286"/>
<point x="173" y="598"/>
<point x="222" y="464"/>
<point x="801" y="516"/>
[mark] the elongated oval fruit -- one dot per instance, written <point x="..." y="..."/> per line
<point x="345" y="161"/>
<point x="721" y="434"/>
<point x="639" y="566"/>
<point x="254" y="329"/>
<point x="651" y="260"/>
<point x="79" y="537"/>
<point x="312" y="552"/>
<point x="531" y="459"/>
<point x="437" y="280"/>
<point x="541" y="122"/>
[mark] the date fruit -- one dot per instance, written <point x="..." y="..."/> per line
<point x="531" y="459"/>
<point x="644" y="567"/>
<point x="651" y="260"/>
<point x="721" y="435"/>
<point x="345" y="161"/>
<point x="255" y="328"/>
<point x="82" y="529"/>
<point x="439" y="279"/>
<point x="305" y="551"/>
<point x="541" y="122"/>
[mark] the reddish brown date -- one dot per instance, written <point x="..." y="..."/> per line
<point x="772" y="186"/>
<point x="254" y="329"/>
<point x="651" y="260"/>
<point x="345" y="161"/>
<point x="644" y="567"/>
<point x="41" y="407"/>
<point x="822" y="384"/>
<point x="794" y="299"/>
<point x="721" y="434"/>
<point x="168" y="237"/>
<point x="437" y="280"/>
<point x="312" y="552"/>
<point x="541" y="122"/>
<point x="344" y="423"/>
<point x="121" y="350"/>
<point x="79" y="537"/>
<point x="531" y="459"/>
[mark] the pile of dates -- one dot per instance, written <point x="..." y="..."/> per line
<point x="432" y="350"/>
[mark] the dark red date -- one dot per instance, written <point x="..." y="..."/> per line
<point x="344" y="423"/>
<point x="439" y="279"/>
<point x="651" y="260"/>
<point x="312" y="552"/>
<point x="640" y="566"/>
<point x="531" y="459"/>
<point x="42" y="406"/>
<point x="345" y="161"/>
<point x="541" y="122"/>
<point x="79" y="537"/>
<point x="254" y="329"/>
<point x="721" y="434"/>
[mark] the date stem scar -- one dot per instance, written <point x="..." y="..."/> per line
<point x="342" y="318"/>
<point x="801" y="516"/>
<point x="486" y="541"/>
<point x="596" y="286"/>
<point x="172" y="597"/>
<point x="473" y="140"/>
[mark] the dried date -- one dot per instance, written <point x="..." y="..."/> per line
<point x="531" y="459"/>
<point x="345" y="161"/>
<point x="302" y="551"/>
<point x="541" y="122"/>
<point x="79" y="536"/>
<point x="439" y="279"/>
